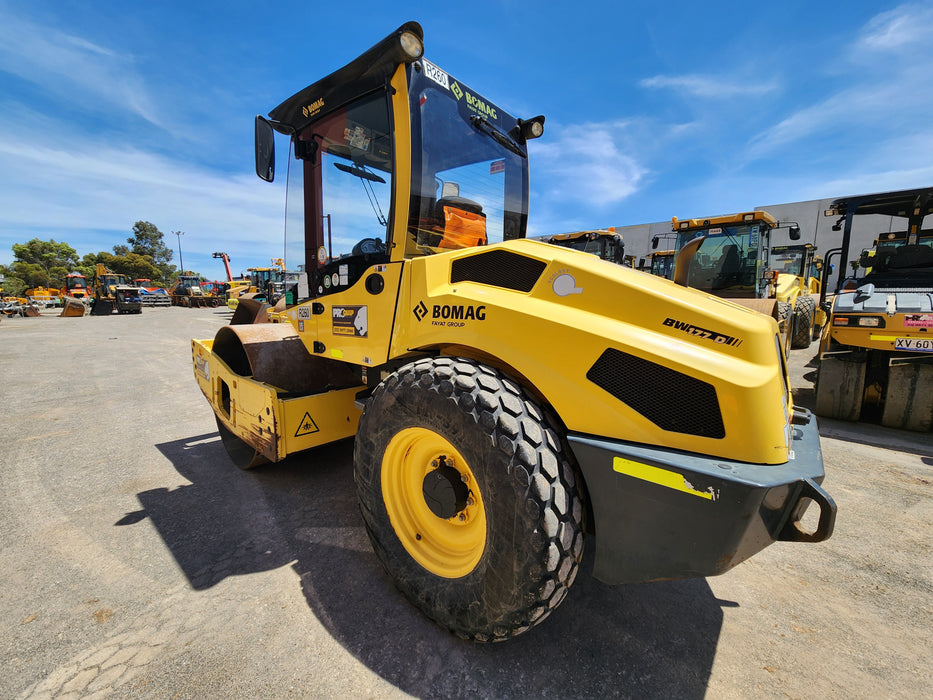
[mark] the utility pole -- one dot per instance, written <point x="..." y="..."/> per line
<point x="181" y="260"/>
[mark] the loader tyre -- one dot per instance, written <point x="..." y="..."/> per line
<point x="803" y="322"/>
<point x="470" y="497"/>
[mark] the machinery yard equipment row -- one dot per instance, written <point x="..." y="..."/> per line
<point x="509" y="399"/>
<point x="876" y="352"/>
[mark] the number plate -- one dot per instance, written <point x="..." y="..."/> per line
<point x="436" y="74"/>
<point x="914" y="344"/>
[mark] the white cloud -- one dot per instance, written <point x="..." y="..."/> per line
<point x="89" y="193"/>
<point x="861" y="105"/>
<point x="883" y="92"/>
<point x="708" y="86"/>
<point x="74" y="70"/>
<point x="904" y="26"/>
<point x="586" y="163"/>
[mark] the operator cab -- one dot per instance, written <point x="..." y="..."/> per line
<point x="396" y="159"/>
<point x="735" y="255"/>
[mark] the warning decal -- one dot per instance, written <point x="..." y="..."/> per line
<point x="307" y="426"/>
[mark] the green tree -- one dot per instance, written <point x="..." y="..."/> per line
<point x="147" y="239"/>
<point x="137" y="267"/>
<point x="131" y="265"/>
<point x="31" y="274"/>
<point x="46" y="255"/>
<point x="12" y="284"/>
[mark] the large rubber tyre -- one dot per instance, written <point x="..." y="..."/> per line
<point x="803" y="322"/>
<point x="502" y="562"/>
<point x="783" y="314"/>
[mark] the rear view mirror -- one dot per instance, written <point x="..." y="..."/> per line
<point x="794" y="232"/>
<point x="265" y="149"/>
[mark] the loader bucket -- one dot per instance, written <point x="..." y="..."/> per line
<point x="73" y="307"/>
<point x="249" y="311"/>
<point x="102" y="307"/>
<point x="31" y="311"/>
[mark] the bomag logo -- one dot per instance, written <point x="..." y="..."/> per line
<point x="480" y="107"/>
<point x="690" y="329"/>
<point x="453" y="315"/>
<point x="459" y="312"/>
<point x="313" y="108"/>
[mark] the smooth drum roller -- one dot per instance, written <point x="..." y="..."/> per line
<point x="272" y="353"/>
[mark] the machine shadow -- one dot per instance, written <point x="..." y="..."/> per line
<point x="608" y="641"/>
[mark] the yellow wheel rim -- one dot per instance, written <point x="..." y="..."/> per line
<point x="449" y="547"/>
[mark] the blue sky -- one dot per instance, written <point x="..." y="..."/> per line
<point x="113" y="112"/>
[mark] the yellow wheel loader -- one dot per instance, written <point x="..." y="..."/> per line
<point x="876" y="351"/>
<point x="510" y="399"/>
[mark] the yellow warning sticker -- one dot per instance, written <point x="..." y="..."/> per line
<point x="661" y="477"/>
<point x="307" y="426"/>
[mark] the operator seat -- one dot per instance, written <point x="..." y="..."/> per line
<point x="464" y="223"/>
<point x="730" y="261"/>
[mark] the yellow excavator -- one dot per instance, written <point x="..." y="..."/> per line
<point x="511" y="400"/>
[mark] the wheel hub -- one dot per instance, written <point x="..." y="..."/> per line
<point x="444" y="491"/>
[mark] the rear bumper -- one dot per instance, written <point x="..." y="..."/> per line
<point x="664" y="514"/>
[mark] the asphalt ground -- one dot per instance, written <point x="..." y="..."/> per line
<point x="136" y="561"/>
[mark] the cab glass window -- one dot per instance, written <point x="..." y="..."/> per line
<point x="468" y="188"/>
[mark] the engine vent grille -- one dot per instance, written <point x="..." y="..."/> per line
<point x="498" y="268"/>
<point x="670" y="399"/>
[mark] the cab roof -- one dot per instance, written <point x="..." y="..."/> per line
<point x="899" y="203"/>
<point x="742" y="217"/>
<point x="594" y="233"/>
<point x="367" y="72"/>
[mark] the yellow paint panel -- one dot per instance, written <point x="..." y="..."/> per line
<point x="656" y="475"/>
<point x="309" y="421"/>
<point x="506" y="328"/>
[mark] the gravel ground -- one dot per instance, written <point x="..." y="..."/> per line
<point x="137" y="562"/>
